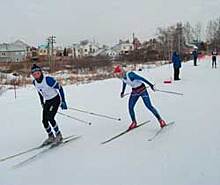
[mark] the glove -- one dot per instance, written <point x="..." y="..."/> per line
<point x="122" y="94"/>
<point x="42" y="105"/>
<point x="152" y="87"/>
<point x="63" y="105"/>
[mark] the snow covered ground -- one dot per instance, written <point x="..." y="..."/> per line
<point x="188" y="153"/>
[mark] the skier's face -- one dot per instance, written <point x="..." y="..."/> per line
<point x="36" y="74"/>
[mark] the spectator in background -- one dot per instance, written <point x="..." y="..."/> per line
<point x="176" y="65"/>
<point x="195" y="56"/>
<point x="214" y="58"/>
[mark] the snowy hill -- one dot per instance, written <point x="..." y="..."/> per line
<point x="187" y="153"/>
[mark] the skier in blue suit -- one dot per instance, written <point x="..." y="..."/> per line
<point x="138" y="90"/>
<point x="51" y="97"/>
<point x="176" y="65"/>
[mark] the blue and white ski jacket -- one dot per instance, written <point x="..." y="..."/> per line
<point x="48" y="88"/>
<point x="133" y="80"/>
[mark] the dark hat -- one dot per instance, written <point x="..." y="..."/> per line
<point x="35" y="68"/>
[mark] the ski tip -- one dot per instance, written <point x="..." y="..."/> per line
<point x="170" y="123"/>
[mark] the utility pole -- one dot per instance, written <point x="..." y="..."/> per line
<point x="51" y="41"/>
<point x="48" y="51"/>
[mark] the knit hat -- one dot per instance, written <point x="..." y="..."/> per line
<point x="35" y="68"/>
<point x="118" y="69"/>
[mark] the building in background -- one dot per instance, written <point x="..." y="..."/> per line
<point x="14" y="52"/>
<point x="85" y="48"/>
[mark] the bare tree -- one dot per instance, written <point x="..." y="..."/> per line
<point x="213" y="33"/>
<point x="198" y="31"/>
<point x="165" y="37"/>
<point x="210" y="31"/>
<point x="172" y="39"/>
<point x="188" y="32"/>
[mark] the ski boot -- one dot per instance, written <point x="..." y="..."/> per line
<point x="49" y="140"/>
<point x="132" y="125"/>
<point x="58" y="139"/>
<point x="162" y="123"/>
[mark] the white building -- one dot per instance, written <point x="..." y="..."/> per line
<point x="14" y="52"/>
<point x="124" y="47"/>
<point x="85" y="48"/>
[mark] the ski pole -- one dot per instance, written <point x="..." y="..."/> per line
<point x="95" y="114"/>
<point x="170" y="92"/>
<point x="15" y="90"/>
<point x="74" y="118"/>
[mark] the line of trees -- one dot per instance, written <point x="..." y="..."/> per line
<point x="178" y="37"/>
<point x="213" y="33"/>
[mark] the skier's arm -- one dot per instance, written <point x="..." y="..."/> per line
<point x="134" y="76"/>
<point x="123" y="88"/>
<point x="60" y="88"/>
<point x="40" y="96"/>
<point x="41" y="99"/>
<point x="54" y="84"/>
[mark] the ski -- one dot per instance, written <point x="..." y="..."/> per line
<point x="49" y="148"/>
<point x="124" y="132"/>
<point x="159" y="131"/>
<point x="27" y="151"/>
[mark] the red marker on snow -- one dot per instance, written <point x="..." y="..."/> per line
<point x="167" y="81"/>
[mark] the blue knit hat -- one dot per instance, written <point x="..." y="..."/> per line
<point x="35" y="68"/>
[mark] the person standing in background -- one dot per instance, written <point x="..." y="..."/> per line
<point x="195" y="56"/>
<point x="214" y="58"/>
<point x="176" y="65"/>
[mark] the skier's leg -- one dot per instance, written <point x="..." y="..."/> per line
<point x="47" y="127"/>
<point x="45" y="120"/>
<point x="131" y="103"/>
<point x="147" y="102"/>
<point x="52" y="112"/>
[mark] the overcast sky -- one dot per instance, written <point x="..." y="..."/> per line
<point x="103" y="20"/>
